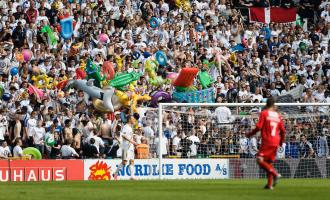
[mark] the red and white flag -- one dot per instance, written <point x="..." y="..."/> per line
<point x="276" y="15"/>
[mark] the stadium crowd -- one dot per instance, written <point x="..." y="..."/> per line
<point x="271" y="65"/>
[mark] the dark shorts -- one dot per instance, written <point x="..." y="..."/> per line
<point x="267" y="152"/>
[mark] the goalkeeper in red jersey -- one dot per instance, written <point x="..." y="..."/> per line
<point x="272" y="136"/>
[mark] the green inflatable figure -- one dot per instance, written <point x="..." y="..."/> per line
<point x="50" y="33"/>
<point x="205" y="79"/>
<point x="93" y="72"/>
<point x="124" y="79"/>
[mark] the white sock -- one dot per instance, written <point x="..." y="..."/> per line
<point x="120" y="166"/>
<point x="131" y="170"/>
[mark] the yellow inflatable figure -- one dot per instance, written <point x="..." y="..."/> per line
<point x="293" y="79"/>
<point x="82" y="65"/>
<point x="98" y="104"/>
<point x="132" y="86"/>
<point x="137" y="97"/>
<point x="132" y="100"/>
<point x="42" y="81"/>
<point x="184" y="4"/>
<point x="55" y="82"/>
<point x="120" y="62"/>
<point x="150" y="67"/>
<point x="123" y="98"/>
<point x="233" y="58"/>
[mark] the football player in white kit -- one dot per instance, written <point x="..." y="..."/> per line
<point x="128" y="148"/>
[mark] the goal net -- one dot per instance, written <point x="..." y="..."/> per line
<point x="217" y="131"/>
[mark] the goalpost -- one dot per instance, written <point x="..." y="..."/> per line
<point x="214" y="132"/>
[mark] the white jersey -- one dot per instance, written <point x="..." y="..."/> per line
<point x="280" y="154"/>
<point x="67" y="151"/>
<point x="31" y="123"/>
<point x="193" y="147"/>
<point x="223" y="115"/>
<point x="3" y="127"/>
<point x="163" y="146"/>
<point x="244" y="145"/>
<point x="17" y="151"/>
<point x="98" y="141"/>
<point x="4" y="152"/>
<point x="127" y="131"/>
<point x="253" y="146"/>
<point x="38" y="134"/>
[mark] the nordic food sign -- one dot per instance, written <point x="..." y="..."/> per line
<point x="149" y="169"/>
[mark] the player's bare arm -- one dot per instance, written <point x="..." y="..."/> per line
<point x="129" y="140"/>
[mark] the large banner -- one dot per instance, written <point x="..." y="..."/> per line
<point x="149" y="169"/>
<point x="199" y="96"/>
<point x="273" y="14"/>
<point x="41" y="170"/>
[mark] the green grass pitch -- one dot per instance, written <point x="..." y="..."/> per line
<point x="291" y="189"/>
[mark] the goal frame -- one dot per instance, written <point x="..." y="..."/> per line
<point x="162" y="105"/>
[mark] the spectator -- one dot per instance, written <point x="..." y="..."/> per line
<point x="203" y="148"/>
<point x="194" y="145"/>
<point x="55" y="151"/>
<point x="4" y="151"/>
<point x="38" y="135"/>
<point x="322" y="145"/>
<point x="223" y="116"/>
<point x="292" y="148"/>
<point x="91" y="150"/>
<point x="3" y="127"/>
<point x="142" y="150"/>
<point x="305" y="148"/>
<point x="253" y="147"/>
<point x="165" y="146"/>
<point x="98" y="142"/>
<point x="280" y="154"/>
<point x="67" y="130"/>
<point x="176" y="143"/>
<point x="67" y="151"/>
<point x="18" y="151"/>
<point x="185" y="143"/>
<point x="31" y="123"/>
<point x="149" y="132"/>
<point x="243" y="145"/>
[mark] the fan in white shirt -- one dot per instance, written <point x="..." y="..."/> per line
<point x="176" y="143"/>
<point x="18" y="151"/>
<point x="273" y="91"/>
<point x="4" y="151"/>
<point x="31" y="123"/>
<point x="38" y="133"/>
<point x="3" y="126"/>
<point x="257" y="96"/>
<point x="243" y="145"/>
<point x="223" y="115"/>
<point x="67" y="151"/>
<point x="193" y="147"/>
<point x="253" y="147"/>
<point x="164" y="146"/>
<point x="98" y="141"/>
<point x="244" y="94"/>
<point x="319" y="94"/>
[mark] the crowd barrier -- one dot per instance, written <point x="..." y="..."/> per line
<point x="62" y="170"/>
